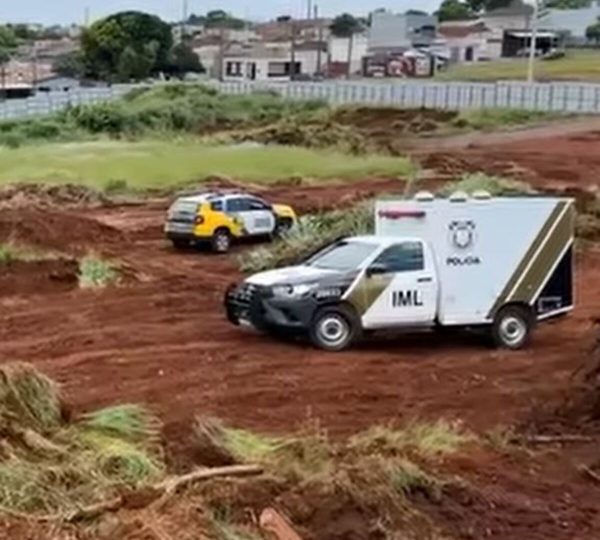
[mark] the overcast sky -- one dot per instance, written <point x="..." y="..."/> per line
<point x="67" y="11"/>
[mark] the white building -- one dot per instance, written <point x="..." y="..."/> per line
<point x="338" y="51"/>
<point x="274" y="63"/>
<point x="467" y="41"/>
<point x="573" y="22"/>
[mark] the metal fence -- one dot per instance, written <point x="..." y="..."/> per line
<point x="559" y="97"/>
<point x="46" y="103"/>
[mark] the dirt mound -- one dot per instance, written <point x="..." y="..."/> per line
<point x="52" y="230"/>
<point x="38" y="277"/>
<point x="390" y="119"/>
<point x="46" y="195"/>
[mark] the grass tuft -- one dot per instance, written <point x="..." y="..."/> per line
<point x="309" y="233"/>
<point x="96" y="273"/>
<point x="50" y="466"/>
<point x="424" y="439"/>
<point x="28" y="397"/>
<point x="494" y="185"/>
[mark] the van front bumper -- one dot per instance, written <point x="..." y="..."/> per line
<point x="256" y="305"/>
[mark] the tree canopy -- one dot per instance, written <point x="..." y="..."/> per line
<point x="593" y="32"/>
<point x="217" y="18"/>
<point x="452" y="10"/>
<point x="346" y="25"/>
<point x="127" y="45"/>
<point x="8" y="43"/>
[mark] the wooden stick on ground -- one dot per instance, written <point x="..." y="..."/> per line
<point x="552" y="439"/>
<point x="584" y="469"/>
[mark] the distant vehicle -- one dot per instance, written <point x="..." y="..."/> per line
<point x="501" y="264"/>
<point x="219" y="218"/>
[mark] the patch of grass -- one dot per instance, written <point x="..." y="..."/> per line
<point x="130" y="422"/>
<point x="224" y="529"/>
<point x="407" y="477"/>
<point x="29" y="397"/>
<point x="577" y="65"/>
<point x="494" y="185"/>
<point x="10" y="253"/>
<point x="422" y="438"/>
<point x="153" y="164"/>
<point x="97" y="273"/>
<point x="307" y="455"/>
<point x="49" y="465"/>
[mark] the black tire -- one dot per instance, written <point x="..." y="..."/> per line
<point x="512" y="328"/>
<point x="283" y="226"/>
<point x="221" y="241"/>
<point x="334" y="328"/>
<point x="180" y="244"/>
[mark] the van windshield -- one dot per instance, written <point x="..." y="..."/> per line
<point x="342" y="256"/>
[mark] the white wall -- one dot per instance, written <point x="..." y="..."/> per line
<point x="338" y="50"/>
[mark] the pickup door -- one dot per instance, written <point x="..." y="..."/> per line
<point x="405" y="275"/>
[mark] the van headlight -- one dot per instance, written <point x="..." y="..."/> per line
<point x="294" y="291"/>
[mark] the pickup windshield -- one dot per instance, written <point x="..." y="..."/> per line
<point x="342" y="256"/>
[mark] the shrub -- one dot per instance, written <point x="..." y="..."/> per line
<point x="95" y="273"/>
<point x="108" y="118"/>
<point x="494" y="185"/>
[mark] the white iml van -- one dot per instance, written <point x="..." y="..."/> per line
<point x="504" y="264"/>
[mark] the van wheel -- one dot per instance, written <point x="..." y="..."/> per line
<point x="221" y="241"/>
<point x="512" y="328"/>
<point x="334" y="329"/>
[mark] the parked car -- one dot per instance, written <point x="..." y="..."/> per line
<point x="219" y="218"/>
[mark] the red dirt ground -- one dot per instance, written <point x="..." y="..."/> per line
<point x="163" y="341"/>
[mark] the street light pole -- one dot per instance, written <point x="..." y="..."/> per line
<point x="533" y="47"/>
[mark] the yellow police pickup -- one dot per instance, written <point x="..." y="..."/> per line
<point x="220" y="218"/>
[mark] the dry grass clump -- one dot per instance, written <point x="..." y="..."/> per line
<point x="51" y="466"/>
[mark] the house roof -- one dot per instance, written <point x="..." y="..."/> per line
<point x="461" y="31"/>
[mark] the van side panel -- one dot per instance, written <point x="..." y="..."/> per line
<point x="487" y="252"/>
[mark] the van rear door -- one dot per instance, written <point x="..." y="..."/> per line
<point x="406" y="276"/>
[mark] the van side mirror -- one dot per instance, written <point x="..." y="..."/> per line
<point x="377" y="269"/>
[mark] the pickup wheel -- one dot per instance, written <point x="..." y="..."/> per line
<point x="221" y="241"/>
<point x="512" y="327"/>
<point x="334" y="328"/>
<point x="180" y="244"/>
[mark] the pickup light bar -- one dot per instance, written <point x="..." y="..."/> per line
<point x="401" y="214"/>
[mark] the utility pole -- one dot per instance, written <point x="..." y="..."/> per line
<point x="533" y="46"/>
<point x="184" y="17"/>
<point x="320" y="40"/>
<point x="309" y="9"/>
<point x="293" y="50"/>
<point x="86" y="17"/>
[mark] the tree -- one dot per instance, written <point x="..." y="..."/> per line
<point x="134" y="64"/>
<point x="185" y="60"/>
<point x="592" y="32"/>
<point x="70" y="65"/>
<point x="454" y="10"/>
<point x="346" y="26"/>
<point x="111" y="46"/>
